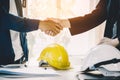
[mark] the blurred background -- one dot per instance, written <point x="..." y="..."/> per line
<point x="63" y="9"/>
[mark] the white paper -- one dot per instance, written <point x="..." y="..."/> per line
<point x="27" y="72"/>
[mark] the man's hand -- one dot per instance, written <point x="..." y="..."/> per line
<point x="65" y="23"/>
<point x="112" y="42"/>
<point x="50" y="27"/>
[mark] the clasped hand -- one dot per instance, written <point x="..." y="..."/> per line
<point x="53" y="26"/>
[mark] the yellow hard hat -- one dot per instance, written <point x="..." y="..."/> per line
<point x="56" y="56"/>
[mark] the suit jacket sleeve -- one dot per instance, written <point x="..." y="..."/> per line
<point x="22" y="24"/>
<point x="9" y="21"/>
<point x="89" y="21"/>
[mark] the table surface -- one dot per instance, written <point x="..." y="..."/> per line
<point x="70" y="74"/>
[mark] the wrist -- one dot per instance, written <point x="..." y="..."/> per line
<point x="40" y="25"/>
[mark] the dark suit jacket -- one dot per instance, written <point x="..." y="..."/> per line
<point x="7" y="22"/>
<point x="112" y="20"/>
<point x="105" y="10"/>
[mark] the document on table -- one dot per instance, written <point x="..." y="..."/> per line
<point x="27" y="72"/>
<point x="95" y="75"/>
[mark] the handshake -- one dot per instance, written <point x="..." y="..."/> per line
<point x="53" y="26"/>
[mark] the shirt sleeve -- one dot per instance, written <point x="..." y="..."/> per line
<point x="89" y="21"/>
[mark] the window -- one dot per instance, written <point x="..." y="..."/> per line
<point x="75" y="45"/>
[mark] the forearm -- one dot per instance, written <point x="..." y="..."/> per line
<point x="89" y="21"/>
<point x="9" y="21"/>
<point x="22" y="24"/>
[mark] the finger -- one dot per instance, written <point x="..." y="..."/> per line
<point x="59" y="26"/>
<point x="47" y="32"/>
<point x="56" y="31"/>
<point x="52" y="33"/>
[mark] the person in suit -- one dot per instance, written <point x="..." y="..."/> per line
<point x="11" y="22"/>
<point x="105" y="10"/>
